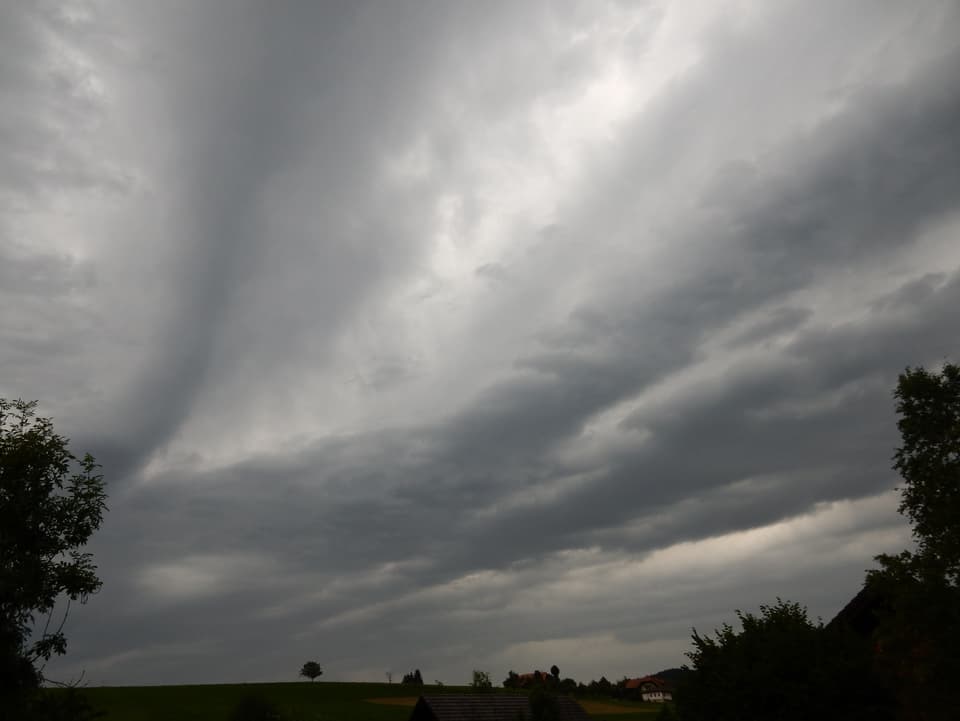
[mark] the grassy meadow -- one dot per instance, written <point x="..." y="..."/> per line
<point x="302" y="701"/>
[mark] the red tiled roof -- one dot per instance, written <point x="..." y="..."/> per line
<point x="638" y="682"/>
<point x="528" y="678"/>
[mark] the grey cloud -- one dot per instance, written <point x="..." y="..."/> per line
<point x="492" y="272"/>
<point x="733" y="444"/>
<point x="24" y="272"/>
<point x="41" y="156"/>
<point x="777" y="322"/>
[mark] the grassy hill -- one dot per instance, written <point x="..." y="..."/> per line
<point x="301" y="701"/>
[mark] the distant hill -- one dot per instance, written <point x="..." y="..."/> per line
<point x="672" y="675"/>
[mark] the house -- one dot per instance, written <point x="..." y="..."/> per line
<point x="489" y="707"/>
<point x="862" y="614"/>
<point x="531" y="679"/>
<point x="528" y="680"/>
<point x="650" y="688"/>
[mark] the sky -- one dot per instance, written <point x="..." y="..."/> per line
<point x="457" y="335"/>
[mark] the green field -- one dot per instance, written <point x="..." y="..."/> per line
<point x="302" y="701"/>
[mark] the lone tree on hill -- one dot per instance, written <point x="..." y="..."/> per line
<point x="310" y="670"/>
<point x="51" y="502"/>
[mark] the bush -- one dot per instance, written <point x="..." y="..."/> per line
<point x="481" y="681"/>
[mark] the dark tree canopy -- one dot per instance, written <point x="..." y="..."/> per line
<point x="918" y="593"/>
<point x="51" y="502"/>
<point x="311" y="670"/>
<point x="929" y="460"/>
<point x="780" y="665"/>
<point x="413" y="679"/>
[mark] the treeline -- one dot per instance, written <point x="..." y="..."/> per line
<point x="602" y="687"/>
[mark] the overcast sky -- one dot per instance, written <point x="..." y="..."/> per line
<point x="459" y="335"/>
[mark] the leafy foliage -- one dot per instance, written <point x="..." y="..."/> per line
<point x="929" y="461"/>
<point x="311" y="669"/>
<point x="413" y="679"/>
<point x="918" y="628"/>
<point x="602" y="687"/>
<point x="779" y="665"/>
<point x="51" y="502"/>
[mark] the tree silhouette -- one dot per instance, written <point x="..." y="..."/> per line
<point x="919" y="591"/>
<point x="51" y="502"/>
<point x="311" y="670"/>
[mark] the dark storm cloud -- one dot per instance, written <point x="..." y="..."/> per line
<point x="355" y="422"/>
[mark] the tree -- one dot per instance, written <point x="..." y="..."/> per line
<point x="917" y="594"/>
<point x="51" y="502"/>
<point x="602" y="687"/>
<point x="555" y="672"/>
<point x="929" y="461"/>
<point x="310" y="670"/>
<point x="780" y="665"/>
<point x="413" y="679"/>
<point x="481" y="681"/>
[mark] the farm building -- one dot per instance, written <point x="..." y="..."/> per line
<point x="531" y="679"/>
<point x="488" y="707"/>
<point x="650" y="688"/>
